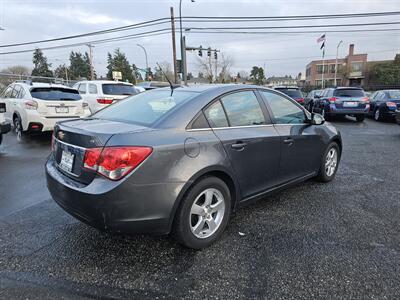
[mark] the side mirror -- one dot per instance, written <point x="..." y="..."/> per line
<point x="317" y="119"/>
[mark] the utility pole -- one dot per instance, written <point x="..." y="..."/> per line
<point x="173" y="44"/>
<point x="91" y="61"/>
<point x="216" y="66"/>
<point x="336" y="64"/>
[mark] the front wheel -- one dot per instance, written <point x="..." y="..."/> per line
<point x="203" y="213"/>
<point x="360" y="118"/>
<point x="377" y="115"/>
<point x="330" y="163"/>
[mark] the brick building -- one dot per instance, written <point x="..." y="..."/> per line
<point x="351" y="70"/>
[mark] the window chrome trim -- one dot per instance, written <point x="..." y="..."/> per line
<point x="70" y="145"/>
<point x="247" y="126"/>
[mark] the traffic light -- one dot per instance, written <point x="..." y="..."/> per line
<point x="201" y="51"/>
<point x="209" y="52"/>
<point x="215" y="55"/>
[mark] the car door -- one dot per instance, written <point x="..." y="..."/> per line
<point x="301" y="146"/>
<point x="242" y="124"/>
<point x="91" y="97"/>
<point x="372" y="101"/>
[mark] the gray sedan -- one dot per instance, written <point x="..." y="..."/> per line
<point x="181" y="160"/>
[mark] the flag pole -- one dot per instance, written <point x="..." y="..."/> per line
<point x="323" y="62"/>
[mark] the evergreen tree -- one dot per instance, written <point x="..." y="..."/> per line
<point x="79" y="65"/>
<point x="119" y="63"/>
<point x="257" y="75"/>
<point x="40" y="65"/>
<point x="62" y="72"/>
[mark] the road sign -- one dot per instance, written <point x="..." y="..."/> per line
<point x="117" y="75"/>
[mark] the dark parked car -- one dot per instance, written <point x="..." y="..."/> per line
<point x="349" y="101"/>
<point x="151" y="85"/>
<point x="293" y="92"/>
<point x="182" y="162"/>
<point x="309" y="100"/>
<point x="4" y="125"/>
<point x="384" y="104"/>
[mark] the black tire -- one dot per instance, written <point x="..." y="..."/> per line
<point x="377" y="115"/>
<point x="1" y="138"/>
<point x="18" y="129"/>
<point x="360" y="118"/>
<point x="322" y="173"/>
<point x="182" y="223"/>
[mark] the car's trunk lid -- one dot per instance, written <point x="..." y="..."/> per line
<point x="72" y="138"/>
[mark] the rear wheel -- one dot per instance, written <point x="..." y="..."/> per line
<point x="18" y="127"/>
<point x="203" y="214"/>
<point x="330" y="163"/>
<point x="325" y="114"/>
<point x="360" y="118"/>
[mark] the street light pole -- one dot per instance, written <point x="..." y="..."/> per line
<point x="336" y="64"/>
<point x="183" y="56"/>
<point x="145" y="54"/>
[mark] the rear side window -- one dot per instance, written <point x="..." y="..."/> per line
<point x="55" y="93"/>
<point x="82" y="88"/>
<point x="118" y="89"/>
<point x="349" y="93"/>
<point x="8" y="92"/>
<point x="92" y="88"/>
<point x="283" y="110"/>
<point x="242" y="109"/>
<point x="15" y="92"/>
<point x="394" y="94"/>
<point x="216" y="116"/>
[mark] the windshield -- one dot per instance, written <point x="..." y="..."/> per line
<point x="394" y="94"/>
<point x="55" y="93"/>
<point x="349" y="93"/>
<point x="118" y="89"/>
<point x="294" y="93"/>
<point x="145" y="108"/>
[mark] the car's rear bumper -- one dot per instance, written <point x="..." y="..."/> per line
<point x="115" y="206"/>
<point x="45" y="123"/>
<point x="333" y="110"/>
<point x="5" y="127"/>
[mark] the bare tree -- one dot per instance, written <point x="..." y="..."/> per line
<point x="17" y="70"/>
<point x="206" y="66"/>
<point x="225" y="64"/>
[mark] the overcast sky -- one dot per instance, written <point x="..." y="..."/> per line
<point x="31" y="20"/>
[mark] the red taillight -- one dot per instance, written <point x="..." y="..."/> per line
<point x="332" y="99"/>
<point x="300" y="100"/>
<point x="364" y="100"/>
<point x="115" y="162"/>
<point x="105" y="101"/>
<point x="391" y="104"/>
<point x="31" y="104"/>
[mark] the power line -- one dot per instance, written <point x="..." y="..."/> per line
<point x="161" y="21"/>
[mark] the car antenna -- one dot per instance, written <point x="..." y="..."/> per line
<point x="172" y="87"/>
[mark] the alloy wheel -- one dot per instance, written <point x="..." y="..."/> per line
<point x="377" y="115"/>
<point x="207" y="213"/>
<point x="18" y="128"/>
<point x="331" y="162"/>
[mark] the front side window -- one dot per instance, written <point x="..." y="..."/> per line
<point x="145" y="108"/>
<point x="283" y="110"/>
<point x="215" y="115"/>
<point x="82" y="88"/>
<point x="395" y="94"/>
<point x="243" y="109"/>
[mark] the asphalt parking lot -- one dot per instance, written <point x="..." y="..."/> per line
<point x="336" y="240"/>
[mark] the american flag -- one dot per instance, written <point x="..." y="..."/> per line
<point x="321" y="38"/>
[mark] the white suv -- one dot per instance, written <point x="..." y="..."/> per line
<point x="36" y="107"/>
<point x="101" y="93"/>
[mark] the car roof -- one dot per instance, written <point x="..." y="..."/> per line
<point x="347" y="88"/>
<point x="41" y="85"/>
<point x="286" y="87"/>
<point x="200" y="88"/>
<point x="105" y="82"/>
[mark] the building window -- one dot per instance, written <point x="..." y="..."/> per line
<point x="356" y="66"/>
<point x="308" y="72"/>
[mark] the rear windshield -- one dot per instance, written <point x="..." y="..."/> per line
<point x="145" y="108"/>
<point x="394" y="94"/>
<point x="294" y="93"/>
<point x="349" y="93"/>
<point x="118" y="89"/>
<point x="55" y="93"/>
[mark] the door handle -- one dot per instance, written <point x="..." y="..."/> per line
<point x="238" y="146"/>
<point x="288" y="141"/>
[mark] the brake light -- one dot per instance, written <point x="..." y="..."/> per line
<point x="105" y="101"/>
<point x="115" y="162"/>
<point x="31" y="104"/>
<point x="364" y="100"/>
<point x="391" y="104"/>
<point x="332" y="99"/>
<point x="300" y="100"/>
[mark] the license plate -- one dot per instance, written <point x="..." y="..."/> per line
<point x="67" y="160"/>
<point x="62" y="110"/>
<point x="350" y="104"/>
